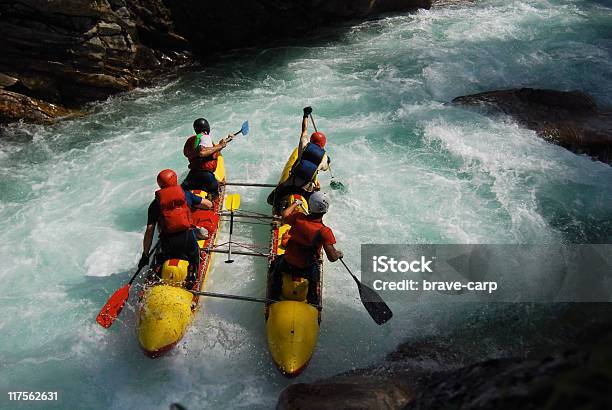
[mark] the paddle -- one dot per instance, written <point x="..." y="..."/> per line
<point x="244" y="130"/>
<point x="115" y="303"/>
<point x="232" y="203"/>
<point x="335" y="185"/>
<point x="376" y="307"/>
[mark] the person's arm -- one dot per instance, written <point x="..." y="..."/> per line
<point x="201" y="203"/>
<point x="304" y="134"/>
<point x="332" y="253"/>
<point x="148" y="239"/>
<point x="328" y="239"/>
<point x="204" y="204"/>
<point x="146" y="245"/>
<point x="209" y="151"/>
<point x="152" y="217"/>
<point x="196" y="201"/>
<point x="289" y="210"/>
<point x="324" y="165"/>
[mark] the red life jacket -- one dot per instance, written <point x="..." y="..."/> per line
<point x="175" y="215"/>
<point x="304" y="243"/>
<point x="196" y="162"/>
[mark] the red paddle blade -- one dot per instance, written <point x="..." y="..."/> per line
<point x="113" y="307"/>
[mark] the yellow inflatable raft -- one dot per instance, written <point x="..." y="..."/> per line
<point x="166" y="306"/>
<point x="292" y="325"/>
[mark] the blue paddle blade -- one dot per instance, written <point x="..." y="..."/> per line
<point x="245" y="128"/>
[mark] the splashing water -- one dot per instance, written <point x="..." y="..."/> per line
<point x="74" y="195"/>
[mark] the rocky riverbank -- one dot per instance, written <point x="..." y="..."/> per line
<point x="570" y="119"/>
<point x="70" y="52"/>
<point x="562" y="359"/>
<point x="60" y="54"/>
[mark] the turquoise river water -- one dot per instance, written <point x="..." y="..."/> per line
<point x="74" y="195"/>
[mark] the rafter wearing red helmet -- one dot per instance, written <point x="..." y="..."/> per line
<point x="311" y="159"/>
<point x="171" y="211"/>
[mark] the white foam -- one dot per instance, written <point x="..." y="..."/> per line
<point x="417" y="171"/>
<point x="112" y="257"/>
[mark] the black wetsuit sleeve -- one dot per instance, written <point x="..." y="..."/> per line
<point x="153" y="213"/>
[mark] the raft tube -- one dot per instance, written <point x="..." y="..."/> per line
<point x="292" y="326"/>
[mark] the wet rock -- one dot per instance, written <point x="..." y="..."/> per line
<point x="7" y="81"/>
<point x="561" y="357"/>
<point x="349" y="393"/>
<point x="214" y="26"/>
<point x="14" y="107"/>
<point x="70" y="52"/>
<point x="570" y="119"/>
<point x="577" y="378"/>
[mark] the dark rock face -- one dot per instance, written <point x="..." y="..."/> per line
<point x="577" y="378"/>
<point x="213" y="26"/>
<point x="569" y="119"/>
<point x="69" y="52"/>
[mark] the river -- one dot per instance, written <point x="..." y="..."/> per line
<point x="74" y="195"/>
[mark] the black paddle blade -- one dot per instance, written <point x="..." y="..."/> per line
<point x="376" y="307"/>
<point x="337" y="186"/>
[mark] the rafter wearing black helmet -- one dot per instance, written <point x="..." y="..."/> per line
<point x="202" y="154"/>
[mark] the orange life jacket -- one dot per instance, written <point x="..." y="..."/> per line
<point x="196" y="162"/>
<point x="303" y="247"/>
<point x="175" y="215"/>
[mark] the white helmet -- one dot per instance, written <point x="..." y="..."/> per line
<point x="318" y="203"/>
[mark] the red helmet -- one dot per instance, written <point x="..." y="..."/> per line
<point x="167" y="178"/>
<point x="318" y="138"/>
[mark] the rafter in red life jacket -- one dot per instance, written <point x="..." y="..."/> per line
<point x="302" y="245"/>
<point x="196" y="162"/>
<point x="175" y="215"/>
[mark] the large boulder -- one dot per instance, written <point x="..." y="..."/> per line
<point x="214" y="26"/>
<point x="349" y="392"/>
<point x="69" y="52"/>
<point x="499" y="363"/>
<point x="575" y="378"/>
<point x="570" y="119"/>
<point x="14" y="107"/>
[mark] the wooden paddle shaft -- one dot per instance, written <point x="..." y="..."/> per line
<point x="313" y="122"/>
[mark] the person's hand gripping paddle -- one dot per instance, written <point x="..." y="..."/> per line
<point x="244" y="130"/>
<point x="116" y="302"/>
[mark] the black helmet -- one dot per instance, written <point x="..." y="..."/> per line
<point x="201" y="126"/>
